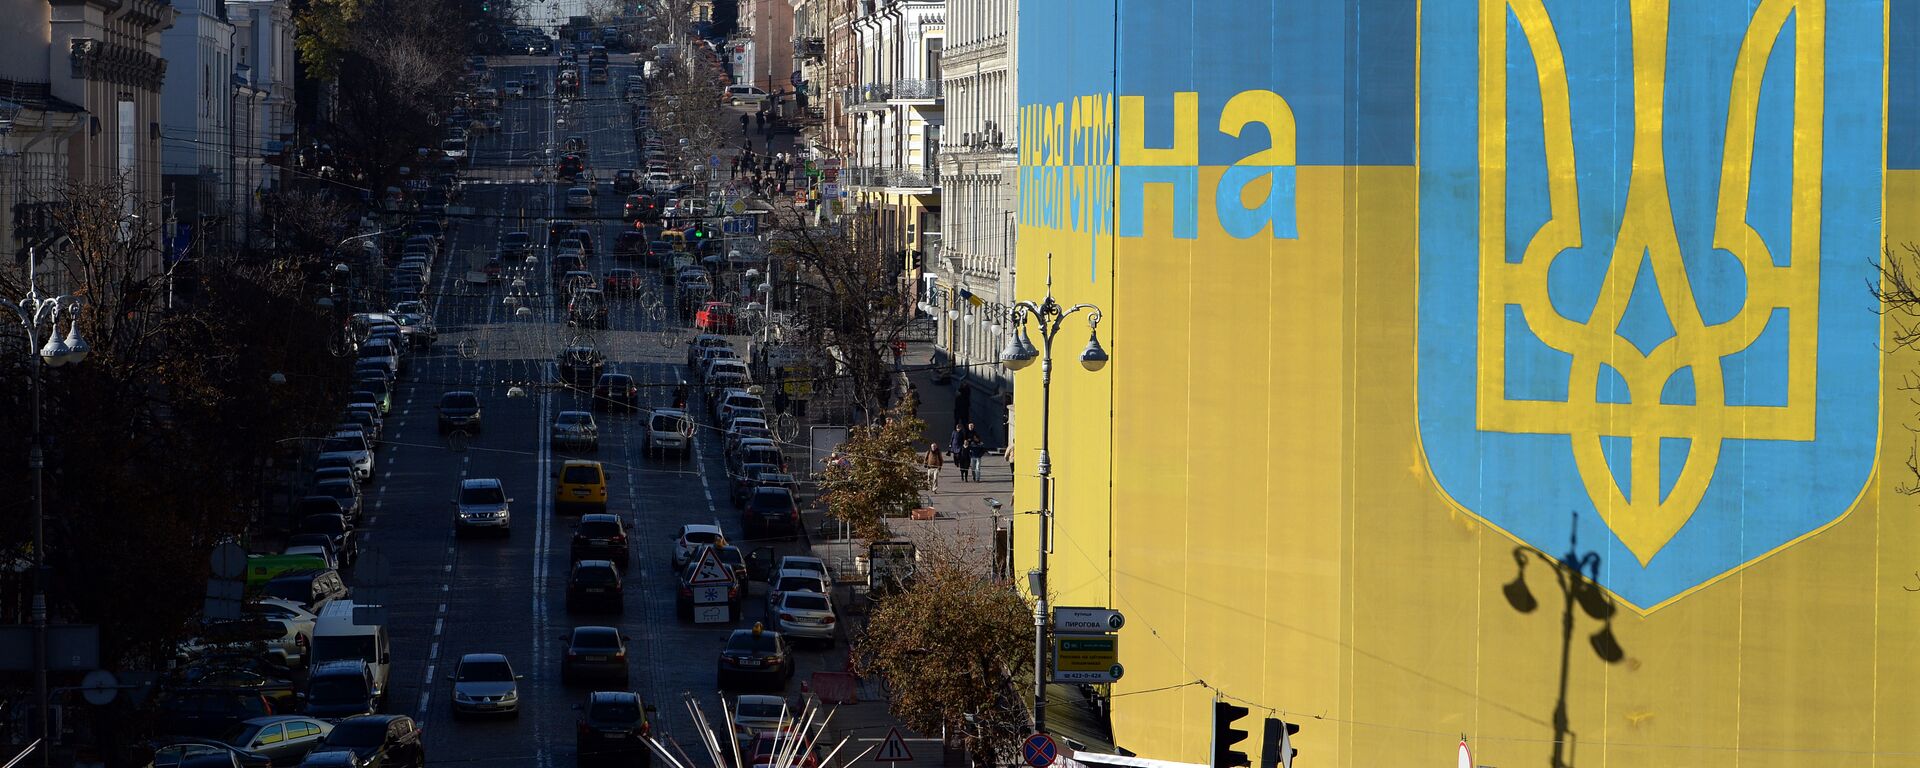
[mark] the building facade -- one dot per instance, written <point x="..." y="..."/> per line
<point x="265" y="55"/>
<point x="979" y="171"/>
<point x="87" y="77"/>
<point x="197" y="142"/>
<point x="896" y="110"/>
<point x="767" y="61"/>
<point x="1499" y="378"/>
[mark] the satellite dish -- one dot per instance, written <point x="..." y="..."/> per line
<point x="99" y="687"/>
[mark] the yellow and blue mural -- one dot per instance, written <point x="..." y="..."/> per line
<point x="1498" y="368"/>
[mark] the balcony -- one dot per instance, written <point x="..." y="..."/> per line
<point x="901" y="180"/>
<point x="810" y="48"/>
<point x="879" y="95"/>
<point x="916" y="91"/>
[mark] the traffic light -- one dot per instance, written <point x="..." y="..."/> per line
<point x="1276" y="744"/>
<point x="1225" y="736"/>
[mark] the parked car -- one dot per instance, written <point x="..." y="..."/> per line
<point x="341" y="689"/>
<point x="770" y="511"/>
<point x="394" y="739"/>
<point x="689" y="540"/>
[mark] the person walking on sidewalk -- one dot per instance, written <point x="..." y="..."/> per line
<point x="933" y="463"/>
<point x="976" y="449"/>
<point x="957" y="445"/>
<point x="743" y="124"/>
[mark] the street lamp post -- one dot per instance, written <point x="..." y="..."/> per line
<point x="33" y="311"/>
<point x="1019" y="353"/>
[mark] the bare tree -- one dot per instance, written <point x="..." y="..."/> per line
<point x="852" y="308"/>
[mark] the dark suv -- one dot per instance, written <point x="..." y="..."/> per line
<point x="612" y="724"/>
<point x="595" y="585"/>
<point x="395" y="738"/>
<point x="770" y="511"/>
<point x="600" y="536"/>
<point x="459" y="409"/>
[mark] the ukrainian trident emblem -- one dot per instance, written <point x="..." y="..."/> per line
<point x="1645" y="233"/>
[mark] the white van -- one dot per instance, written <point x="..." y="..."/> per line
<point x="669" y="429"/>
<point x="745" y="94"/>
<point x="337" y="637"/>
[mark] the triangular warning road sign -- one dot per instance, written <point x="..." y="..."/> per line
<point x="711" y="572"/>
<point x="894" y="749"/>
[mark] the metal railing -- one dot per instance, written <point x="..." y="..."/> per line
<point x="856" y="96"/>
<point x="901" y="177"/>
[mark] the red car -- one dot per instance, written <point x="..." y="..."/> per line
<point x="623" y="281"/>
<point x="714" y="317"/>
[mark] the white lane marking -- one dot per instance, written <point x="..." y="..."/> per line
<point x="439" y="624"/>
<point x="423" y="705"/>
<point x="433" y="652"/>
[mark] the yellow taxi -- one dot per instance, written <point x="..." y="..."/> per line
<point x="581" y="487"/>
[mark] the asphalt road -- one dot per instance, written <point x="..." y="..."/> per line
<point x="445" y="596"/>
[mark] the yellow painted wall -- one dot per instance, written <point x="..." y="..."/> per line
<point x="1246" y="481"/>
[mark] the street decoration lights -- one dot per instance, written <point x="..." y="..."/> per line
<point x="1048" y="315"/>
<point x="36" y="312"/>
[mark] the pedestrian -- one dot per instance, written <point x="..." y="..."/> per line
<point x="743" y="125"/>
<point x="962" y="405"/>
<point x="957" y="445"/>
<point x="759" y="119"/>
<point x="933" y="462"/>
<point x="680" y="396"/>
<point x="976" y="448"/>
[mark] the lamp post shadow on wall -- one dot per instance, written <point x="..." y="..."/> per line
<point x="1571" y="572"/>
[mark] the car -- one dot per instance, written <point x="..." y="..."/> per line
<point x="623" y="281"/>
<point x="611" y="728"/>
<point x="384" y="400"/>
<point x="310" y="588"/>
<point x="570" y="167"/>
<point x="691" y="537"/>
<point x="579" y="199"/>
<point x="336" y="527"/>
<point x="394" y="739"/>
<point x="340" y="689"/>
<point x="580" y="365"/>
<point x="587" y="307"/>
<point x="322" y="550"/>
<point x="601" y="536"/>
<point x="282" y="739"/>
<point x="732" y="402"/>
<point x="715" y="317"/>
<point x="794" y="580"/>
<point x="485" y="684"/>
<point x="297" y="620"/>
<point x="616" y="390"/>
<point x="755" y="450"/>
<point x="722" y="367"/>
<point x="625" y="180"/>
<point x="741" y="429"/>
<point x="757" y="713"/>
<point x="516" y="243"/>
<point x="346" y="492"/>
<point x="594" y="585"/>
<point x="767" y="747"/>
<point x="639" y="207"/>
<point x="581" y="487"/>
<point x="698" y="344"/>
<point x="459" y="409"/>
<point x="669" y="430"/>
<point x="382" y="351"/>
<point x="482" y="504"/>
<point x="204" y="753"/>
<point x="515" y="88"/>
<point x="800" y="563"/>
<point x="339" y="759"/>
<point x="594" y="652"/>
<point x="804" y="615"/>
<point x="575" y="430"/>
<point x="208" y="713"/>
<point x="418" y="331"/>
<point x="743" y="94"/>
<point x="754" y="656"/>
<point x="352" y="446"/>
<point x="770" y="511"/>
<point x="747" y="479"/>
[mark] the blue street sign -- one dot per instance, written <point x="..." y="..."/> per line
<point x="1039" y="750"/>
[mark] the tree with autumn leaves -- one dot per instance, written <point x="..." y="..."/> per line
<point x="953" y="648"/>
<point x="876" y="473"/>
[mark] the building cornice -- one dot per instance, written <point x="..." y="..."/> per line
<point x="105" y="61"/>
